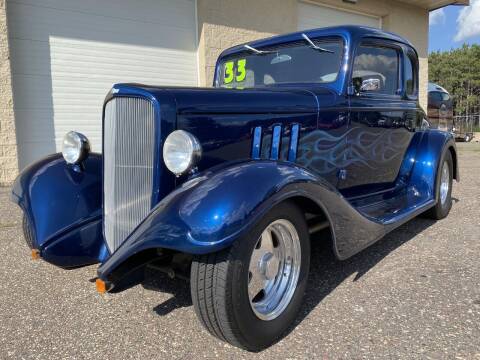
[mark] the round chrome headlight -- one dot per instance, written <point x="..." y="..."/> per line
<point x="75" y="147"/>
<point x="181" y="151"/>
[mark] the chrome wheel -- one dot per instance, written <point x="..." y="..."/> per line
<point x="444" y="182"/>
<point x="274" y="269"/>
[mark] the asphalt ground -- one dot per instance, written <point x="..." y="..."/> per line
<point x="414" y="294"/>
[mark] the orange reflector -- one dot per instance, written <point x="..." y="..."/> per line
<point x="101" y="286"/>
<point x="35" y="254"/>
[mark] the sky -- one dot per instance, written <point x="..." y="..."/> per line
<point x="452" y="26"/>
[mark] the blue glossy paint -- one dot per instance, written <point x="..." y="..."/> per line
<point x="205" y="215"/>
<point x="260" y="146"/>
<point x="63" y="206"/>
<point x="424" y="171"/>
<point x="209" y="212"/>
<point x="223" y="123"/>
<point x="381" y="127"/>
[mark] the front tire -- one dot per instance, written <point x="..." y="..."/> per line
<point x="27" y="232"/>
<point x="250" y="293"/>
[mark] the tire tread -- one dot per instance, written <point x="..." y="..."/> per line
<point x="210" y="296"/>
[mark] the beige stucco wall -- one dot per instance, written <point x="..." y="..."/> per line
<point x="224" y="23"/>
<point x="8" y="142"/>
<point x="412" y="23"/>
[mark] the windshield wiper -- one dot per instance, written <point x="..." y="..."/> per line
<point x="256" y="51"/>
<point x="316" y="47"/>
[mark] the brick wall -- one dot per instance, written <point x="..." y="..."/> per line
<point x="8" y="142"/>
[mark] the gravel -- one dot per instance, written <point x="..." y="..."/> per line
<point x="414" y="294"/>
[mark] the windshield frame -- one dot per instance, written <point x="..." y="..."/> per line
<point x="294" y="39"/>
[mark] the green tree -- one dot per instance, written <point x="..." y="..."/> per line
<point x="458" y="71"/>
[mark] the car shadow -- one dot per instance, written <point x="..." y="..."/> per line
<point x="326" y="271"/>
<point x="156" y="280"/>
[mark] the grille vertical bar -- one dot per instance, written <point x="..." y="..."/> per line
<point x="129" y="140"/>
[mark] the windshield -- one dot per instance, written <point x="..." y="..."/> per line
<point x="296" y="62"/>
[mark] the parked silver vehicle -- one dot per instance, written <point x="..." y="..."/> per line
<point x="440" y="108"/>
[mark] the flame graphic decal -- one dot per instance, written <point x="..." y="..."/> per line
<point x="325" y="152"/>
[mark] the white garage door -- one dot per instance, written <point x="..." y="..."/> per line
<point x="311" y="16"/>
<point x="67" y="54"/>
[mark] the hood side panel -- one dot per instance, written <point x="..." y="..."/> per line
<point x="224" y="120"/>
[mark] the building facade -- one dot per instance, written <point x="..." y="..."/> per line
<point x="58" y="58"/>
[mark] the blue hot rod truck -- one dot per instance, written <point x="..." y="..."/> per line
<point x="306" y="131"/>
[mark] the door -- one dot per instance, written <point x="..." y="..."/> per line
<point x="67" y="54"/>
<point x="382" y="121"/>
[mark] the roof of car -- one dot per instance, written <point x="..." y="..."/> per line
<point x="352" y="32"/>
<point x="436" y="87"/>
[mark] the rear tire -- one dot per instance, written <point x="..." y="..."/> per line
<point x="443" y="188"/>
<point x="222" y="284"/>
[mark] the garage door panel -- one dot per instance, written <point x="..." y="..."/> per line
<point x="172" y="12"/>
<point x="311" y="16"/>
<point x="128" y="59"/>
<point x="125" y="57"/>
<point x="67" y="54"/>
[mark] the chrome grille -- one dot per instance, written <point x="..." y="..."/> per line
<point x="128" y="152"/>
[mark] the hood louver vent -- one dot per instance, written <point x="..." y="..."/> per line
<point x="273" y="145"/>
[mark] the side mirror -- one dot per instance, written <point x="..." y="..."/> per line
<point x="359" y="85"/>
<point x="425" y="124"/>
<point x="370" y="85"/>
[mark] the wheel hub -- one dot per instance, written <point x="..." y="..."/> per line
<point x="274" y="269"/>
<point x="444" y="183"/>
<point x="268" y="265"/>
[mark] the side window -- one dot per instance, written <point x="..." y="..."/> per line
<point x="375" y="70"/>
<point x="435" y="97"/>
<point x="411" y="77"/>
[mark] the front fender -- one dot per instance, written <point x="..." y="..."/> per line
<point x="63" y="205"/>
<point x="209" y="212"/>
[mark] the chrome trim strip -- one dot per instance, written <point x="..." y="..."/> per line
<point x="275" y="142"/>
<point x="292" y="151"/>
<point x="257" y="141"/>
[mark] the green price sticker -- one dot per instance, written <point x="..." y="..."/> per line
<point x="235" y="70"/>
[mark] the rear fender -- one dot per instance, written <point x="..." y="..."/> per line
<point x="63" y="206"/>
<point x="208" y="213"/>
<point x="430" y="149"/>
